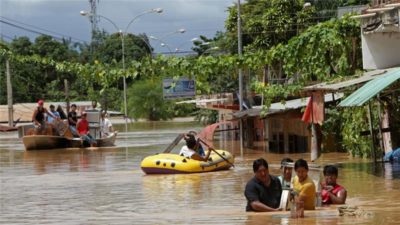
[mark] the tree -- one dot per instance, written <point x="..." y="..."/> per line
<point x="145" y="100"/>
<point x="268" y="22"/>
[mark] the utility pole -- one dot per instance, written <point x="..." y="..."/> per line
<point x="240" y="52"/>
<point x="93" y="16"/>
<point x="9" y="96"/>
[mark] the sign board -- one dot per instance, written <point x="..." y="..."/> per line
<point x="181" y="88"/>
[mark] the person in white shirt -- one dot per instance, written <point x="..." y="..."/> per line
<point x="105" y="125"/>
<point x="190" y="149"/>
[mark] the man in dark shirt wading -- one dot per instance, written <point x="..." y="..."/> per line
<point x="263" y="191"/>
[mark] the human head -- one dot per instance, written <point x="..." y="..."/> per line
<point x="287" y="171"/>
<point x="59" y="108"/>
<point x="83" y="115"/>
<point x="330" y="174"/>
<point x="40" y="103"/>
<point x="73" y="107"/>
<point x="52" y="107"/>
<point x="260" y="169"/>
<point x="190" y="141"/>
<point x="103" y="114"/>
<point x="94" y="104"/>
<point x="301" y="168"/>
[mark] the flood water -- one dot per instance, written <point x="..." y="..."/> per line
<point x="107" y="186"/>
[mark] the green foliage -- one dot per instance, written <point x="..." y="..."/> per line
<point x="355" y="120"/>
<point x="145" y="100"/>
<point x="268" y="22"/>
<point x="206" y="116"/>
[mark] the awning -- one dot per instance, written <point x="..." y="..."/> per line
<point x="279" y="107"/>
<point x="339" y="86"/>
<point x="371" y="89"/>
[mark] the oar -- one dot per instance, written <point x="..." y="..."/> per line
<point x="174" y="143"/>
<point x="212" y="149"/>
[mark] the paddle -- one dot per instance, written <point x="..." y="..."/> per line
<point x="212" y="149"/>
<point x="174" y="143"/>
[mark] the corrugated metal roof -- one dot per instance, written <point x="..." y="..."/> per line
<point x="333" y="87"/>
<point x="371" y="89"/>
<point x="279" y="107"/>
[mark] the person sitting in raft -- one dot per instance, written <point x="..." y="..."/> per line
<point x="332" y="193"/>
<point x="286" y="178"/>
<point x="263" y="191"/>
<point x="303" y="186"/>
<point x="38" y="117"/>
<point x="199" y="147"/>
<point x="190" y="150"/>
<point x="83" y="130"/>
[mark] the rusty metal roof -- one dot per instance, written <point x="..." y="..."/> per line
<point x="279" y="107"/>
<point x="371" y="89"/>
<point x="334" y="87"/>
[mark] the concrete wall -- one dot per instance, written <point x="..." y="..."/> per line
<point x="381" y="50"/>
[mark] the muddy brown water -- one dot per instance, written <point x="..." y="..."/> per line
<point x="107" y="186"/>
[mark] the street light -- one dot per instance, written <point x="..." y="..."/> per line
<point x="177" y="49"/>
<point x="162" y="38"/>
<point x="210" y="50"/>
<point x="123" y="33"/>
<point x="162" y="43"/>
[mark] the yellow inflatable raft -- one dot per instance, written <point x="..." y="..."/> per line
<point x="167" y="163"/>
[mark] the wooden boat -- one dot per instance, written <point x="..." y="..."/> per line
<point x="4" y="128"/>
<point x="37" y="142"/>
<point x="167" y="163"/>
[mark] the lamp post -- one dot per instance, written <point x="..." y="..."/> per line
<point x="123" y="33"/>
<point x="193" y="40"/>
<point x="161" y="39"/>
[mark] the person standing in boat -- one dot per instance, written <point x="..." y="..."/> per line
<point x="55" y="113"/>
<point x="83" y="130"/>
<point x="38" y="117"/>
<point x="332" y="193"/>
<point x="73" y="120"/>
<point x="106" y="127"/>
<point x="263" y="192"/>
<point x="190" y="149"/>
<point x="61" y="112"/>
<point x="303" y="186"/>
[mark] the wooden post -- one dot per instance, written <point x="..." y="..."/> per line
<point x="9" y="96"/>
<point x="380" y="126"/>
<point x="66" y="94"/>
<point x="371" y="130"/>
<point x="314" y="143"/>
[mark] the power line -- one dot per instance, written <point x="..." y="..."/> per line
<point x="31" y="30"/>
<point x="39" y="28"/>
<point x="6" y="36"/>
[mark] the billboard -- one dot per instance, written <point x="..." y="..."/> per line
<point x="181" y="88"/>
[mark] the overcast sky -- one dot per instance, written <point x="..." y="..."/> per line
<point x="197" y="17"/>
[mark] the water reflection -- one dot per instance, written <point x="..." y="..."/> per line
<point x="107" y="186"/>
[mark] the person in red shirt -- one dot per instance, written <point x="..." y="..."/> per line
<point x="332" y="193"/>
<point x="83" y="130"/>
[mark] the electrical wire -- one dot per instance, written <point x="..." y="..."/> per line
<point x="39" y="28"/>
<point x="33" y="31"/>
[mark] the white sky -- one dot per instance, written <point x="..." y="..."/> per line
<point x="198" y="17"/>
